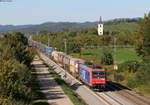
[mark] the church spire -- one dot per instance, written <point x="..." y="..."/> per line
<point x="100" y="20"/>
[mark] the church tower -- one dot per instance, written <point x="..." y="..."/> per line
<point x="100" y="27"/>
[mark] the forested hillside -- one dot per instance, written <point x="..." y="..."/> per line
<point x="48" y="26"/>
<point x="15" y="70"/>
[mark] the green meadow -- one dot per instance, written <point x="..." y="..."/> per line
<point x="121" y="28"/>
<point x="120" y="55"/>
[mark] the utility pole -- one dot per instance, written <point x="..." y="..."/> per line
<point x="48" y="40"/>
<point x="65" y="45"/>
<point x="65" y="42"/>
<point x="115" y="62"/>
<point x="115" y="50"/>
<point x="30" y="37"/>
<point x="37" y="33"/>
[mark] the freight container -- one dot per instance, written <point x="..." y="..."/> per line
<point x="74" y="66"/>
<point x="66" y="62"/>
<point x="55" y="55"/>
<point x="49" y="51"/>
<point x="61" y="56"/>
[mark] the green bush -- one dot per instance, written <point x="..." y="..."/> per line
<point x="107" y="58"/>
<point x="119" y="78"/>
<point x="143" y="74"/>
<point x="130" y="66"/>
<point x="131" y="82"/>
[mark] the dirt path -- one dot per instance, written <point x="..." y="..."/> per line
<point x="50" y="88"/>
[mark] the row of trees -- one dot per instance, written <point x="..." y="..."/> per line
<point x="120" y="20"/>
<point x="82" y="40"/>
<point x="15" y="69"/>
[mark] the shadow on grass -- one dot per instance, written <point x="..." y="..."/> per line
<point x="40" y="103"/>
<point x="38" y="97"/>
<point x="113" y="86"/>
<point x="39" y="65"/>
<point x="87" y="53"/>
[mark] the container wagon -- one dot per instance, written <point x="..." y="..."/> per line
<point x="92" y="75"/>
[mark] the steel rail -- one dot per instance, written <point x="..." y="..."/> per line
<point x="124" y="93"/>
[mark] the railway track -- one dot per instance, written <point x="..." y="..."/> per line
<point x="104" y="98"/>
<point x="135" y="98"/>
<point x="80" y="89"/>
<point x="109" y="99"/>
<point x="99" y="98"/>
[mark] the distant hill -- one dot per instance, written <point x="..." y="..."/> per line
<point x="48" y="26"/>
<point x="5" y="28"/>
<point x="60" y="26"/>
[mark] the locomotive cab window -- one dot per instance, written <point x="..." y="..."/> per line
<point x="98" y="74"/>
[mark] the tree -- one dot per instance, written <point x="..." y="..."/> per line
<point x="107" y="58"/>
<point x="74" y="46"/>
<point x="15" y="73"/>
<point x="18" y="46"/>
<point x="143" y="38"/>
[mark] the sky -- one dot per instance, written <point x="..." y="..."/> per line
<point x="20" y="12"/>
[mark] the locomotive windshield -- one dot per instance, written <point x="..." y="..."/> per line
<point x="91" y="65"/>
<point x="98" y="74"/>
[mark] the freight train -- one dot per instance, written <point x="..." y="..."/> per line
<point x="90" y="74"/>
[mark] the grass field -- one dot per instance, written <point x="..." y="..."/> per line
<point x="122" y="28"/>
<point x="121" y="55"/>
